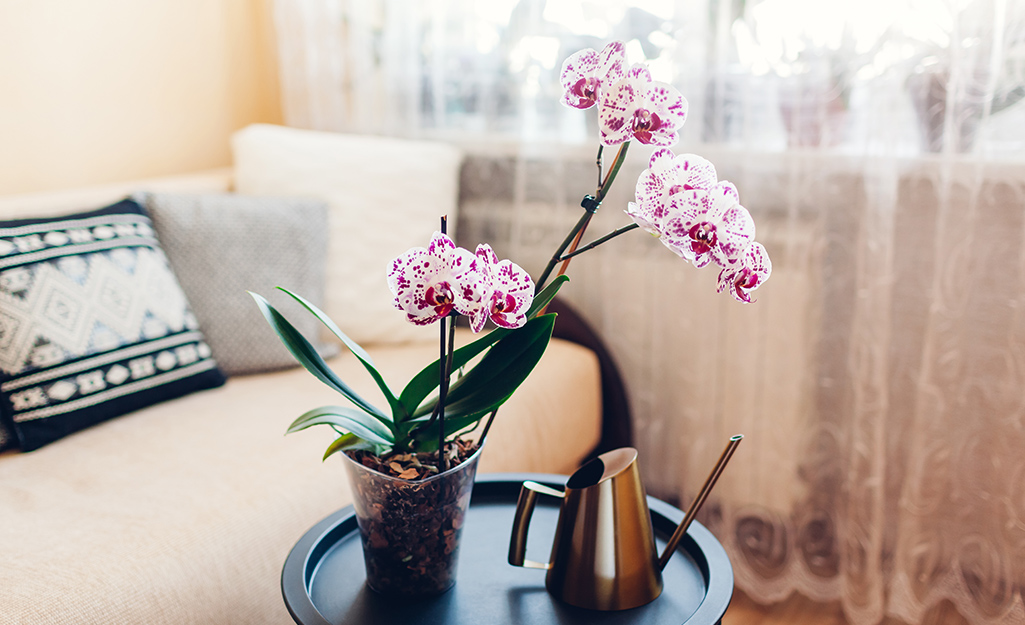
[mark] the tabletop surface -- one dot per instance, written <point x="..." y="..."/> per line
<point x="323" y="580"/>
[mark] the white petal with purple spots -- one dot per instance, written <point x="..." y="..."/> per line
<point x="714" y="229"/>
<point x="512" y="290"/>
<point x="587" y="74"/>
<point x="638" y="108"/>
<point x="747" y="273"/>
<point x="432" y="283"/>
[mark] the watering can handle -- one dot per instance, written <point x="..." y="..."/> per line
<point x="521" y="523"/>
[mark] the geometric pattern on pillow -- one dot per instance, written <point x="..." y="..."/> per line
<point x="93" y="324"/>
<point x="258" y="243"/>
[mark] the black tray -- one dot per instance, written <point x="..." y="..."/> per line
<point x="323" y="580"/>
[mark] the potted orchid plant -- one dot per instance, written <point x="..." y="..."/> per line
<point x="410" y="465"/>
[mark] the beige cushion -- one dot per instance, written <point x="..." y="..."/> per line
<point x="385" y="196"/>
<point x="185" y="512"/>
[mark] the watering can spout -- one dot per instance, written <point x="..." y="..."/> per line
<point x="692" y="512"/>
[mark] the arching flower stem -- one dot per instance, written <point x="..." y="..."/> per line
<point x="603" y="188"/>
<point x="593" y="244"/>
<point x="572" y="239"/>
<point x="558" y="252"/>
<point x="573" y="247"/>
<point x="599" y="195"/>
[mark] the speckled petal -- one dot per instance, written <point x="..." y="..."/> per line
<point x="612" y="63"/>
<point x="747" y="273"/>
<point x="669" y="105"/>
<point x="472" y="285"/>
<point x="578" y="65"/>
<point x="410" y="277"/>
<point x="578" y="69"/>
<point x="486" y="254"/>
<point x="690" y="205"/>
<point x="658" y="179"/>
<point x="587" y="74"/>
<point x="616" y="110"/>
<point x="734" y="225"/>
<point x="430" y="283"/>
<point x="478" y="319"/>
<point x="614" y="113"/>
<point x="398" y="280"/>
<point x="724" y="189"/>
<point x="512" y="296"/>
<point x="696" y="172"/>
<point x="664" y="163"/>
<point x="686" y="209"/>
<point x="644" y="218"/>
<point x="650" y="187"/>
<point x="440" y="244"/>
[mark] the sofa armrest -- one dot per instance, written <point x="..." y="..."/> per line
<point x="617" y="429"/>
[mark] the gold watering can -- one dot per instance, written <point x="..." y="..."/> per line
<point x="603" y="556"/>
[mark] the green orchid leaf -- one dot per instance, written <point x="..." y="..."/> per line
<point x="350" y="442"/>
<point x="427" y="439"/>
<point x="424" y="382"/>
<point x="354" y="421"/>
<point x="398" y="411"/>
<point x="308" y="357"/>
<point x="497" y="376"/>
<point x="542" y="299"/>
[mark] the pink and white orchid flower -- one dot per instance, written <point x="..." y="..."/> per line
<point x="715" y="228"/>
<point x="512" y="292"/>
<point x="636" y="107"/>
<point x="670" y="173"/>
<point x="667" y="174"/>
<point x="747" y="273"/>
<point x="587" y="75"/>
<point x="429" y="284"/>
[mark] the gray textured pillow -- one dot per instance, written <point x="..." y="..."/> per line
<point x="222" y="245"/>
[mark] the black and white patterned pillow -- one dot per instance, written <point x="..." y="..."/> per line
<point x="93" y="324"/>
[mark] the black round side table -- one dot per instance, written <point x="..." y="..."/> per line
<point x="323" y="580"/>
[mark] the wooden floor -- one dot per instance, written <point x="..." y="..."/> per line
<point x="794" y="611"/>
<point x="798" y="610"/>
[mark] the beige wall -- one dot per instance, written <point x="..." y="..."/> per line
<point x="95" y="91"/>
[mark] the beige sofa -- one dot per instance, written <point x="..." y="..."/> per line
<point x="184" y="512"/>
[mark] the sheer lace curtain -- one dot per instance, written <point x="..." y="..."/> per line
<point x="880" y="146"/>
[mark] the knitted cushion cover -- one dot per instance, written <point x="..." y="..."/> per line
<point x="222" y="245"/>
